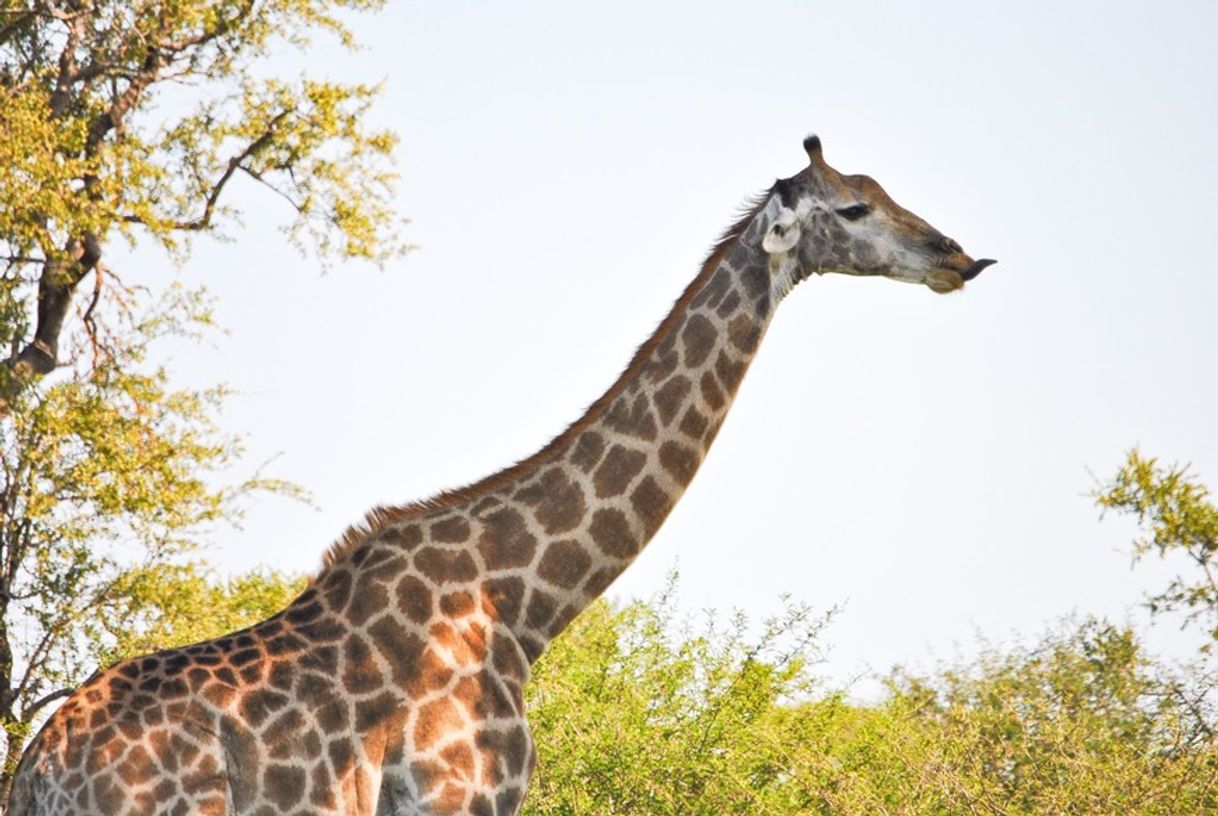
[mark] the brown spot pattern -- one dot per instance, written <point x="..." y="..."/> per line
<point x="611" y="531"/>
<point x="693" y="424"/>
<point x="564" y="564"/>
<point x="620" y="467"/>
<point x="671" y="396"/>
<point x="562" y="507"/>
<point x="744" y="333"/>
<point x="414" y="598"/>
<point x="450" y="530"/>
<point x="651" y="503"/>
<point x="698" y="337"/>
<point x="632" y="417"/>
<point x="443" y="566"/>
<point x="711" y="392"/>
<point x="680" y="461"/>
<point x="587" y="450"/>
<point x="506" y="541"/>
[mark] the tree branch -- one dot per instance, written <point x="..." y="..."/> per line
<point x="13" y="27"/>
<point x="234" y="164"/>
<point x="256" y="176"/>
<point x="28" y="712"/>
<point x="23" y="259"/>
<point x="67" y="67"/>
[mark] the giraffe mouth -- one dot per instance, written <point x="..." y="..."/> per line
<point x="974" y="269"/>
<point x="946" y="279"/>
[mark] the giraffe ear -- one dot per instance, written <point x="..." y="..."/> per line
<point x="783" y="233"/>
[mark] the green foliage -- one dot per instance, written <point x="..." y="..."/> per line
<point x="84" y="149"/>
<point x="1173" y="508"/>
<point x="1081" y="723"/>
<point x="132" y="120"/>
<point x="634" y="714"/>
<point x="165" y="605"/>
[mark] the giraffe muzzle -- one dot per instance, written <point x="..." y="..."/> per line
<point x="974" y="269"/>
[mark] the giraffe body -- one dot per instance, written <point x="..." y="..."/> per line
<point x="395" y="683"/>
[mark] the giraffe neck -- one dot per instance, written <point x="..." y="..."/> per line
<point x="526" y="550"/>
<point x="584" y="508"/>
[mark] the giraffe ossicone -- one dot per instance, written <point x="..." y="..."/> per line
<point x="395" y="683"/>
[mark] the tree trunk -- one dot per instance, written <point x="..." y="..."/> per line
<point x="56" y="286"/>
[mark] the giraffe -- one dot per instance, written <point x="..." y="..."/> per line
<point x="394" y="683"/>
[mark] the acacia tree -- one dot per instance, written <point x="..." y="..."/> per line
<point x="85" y="156"/>
<point x="135" y="120"/>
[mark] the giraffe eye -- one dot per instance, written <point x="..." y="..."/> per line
<point x="854" y="212"/>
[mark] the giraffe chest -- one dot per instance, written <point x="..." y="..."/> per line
<point x="429" y="714"/>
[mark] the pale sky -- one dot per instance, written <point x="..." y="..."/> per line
<point x="922" y="460"/>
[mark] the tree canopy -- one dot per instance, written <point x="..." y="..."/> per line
<point x="131" y="120"/>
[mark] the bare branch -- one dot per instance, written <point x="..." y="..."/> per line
<point x="234" y="164"/>
<point x="261" y="180"/>
<point x="87" y="317"/>
<point x="33" y="708"/>
<point x="12" y="28"/>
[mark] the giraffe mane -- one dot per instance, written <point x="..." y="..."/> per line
<point x="382" y="516"/>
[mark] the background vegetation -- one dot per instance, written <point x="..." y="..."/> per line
<point x="636" y="716"/>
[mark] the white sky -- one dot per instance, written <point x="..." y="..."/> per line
<point x="921" y="459"/>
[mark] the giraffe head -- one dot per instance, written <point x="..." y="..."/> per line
<point x="822" y="221"/>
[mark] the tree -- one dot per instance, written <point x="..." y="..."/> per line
<point x="138" y="120"/>
<point x="1173" y="508"/>
<point x="86" y="157"/>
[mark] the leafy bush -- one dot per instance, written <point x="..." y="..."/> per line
<point x="636" y="714"/>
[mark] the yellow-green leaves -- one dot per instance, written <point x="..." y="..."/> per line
<point x="110" y="481"/>
<point x="160" y="606"/>
<point x="134" y="120"/>
<point x="635" y="714"/>
<point x="42" y="167"/>
<point x="1173" y="509"/>
<point x="304" y="140"/>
